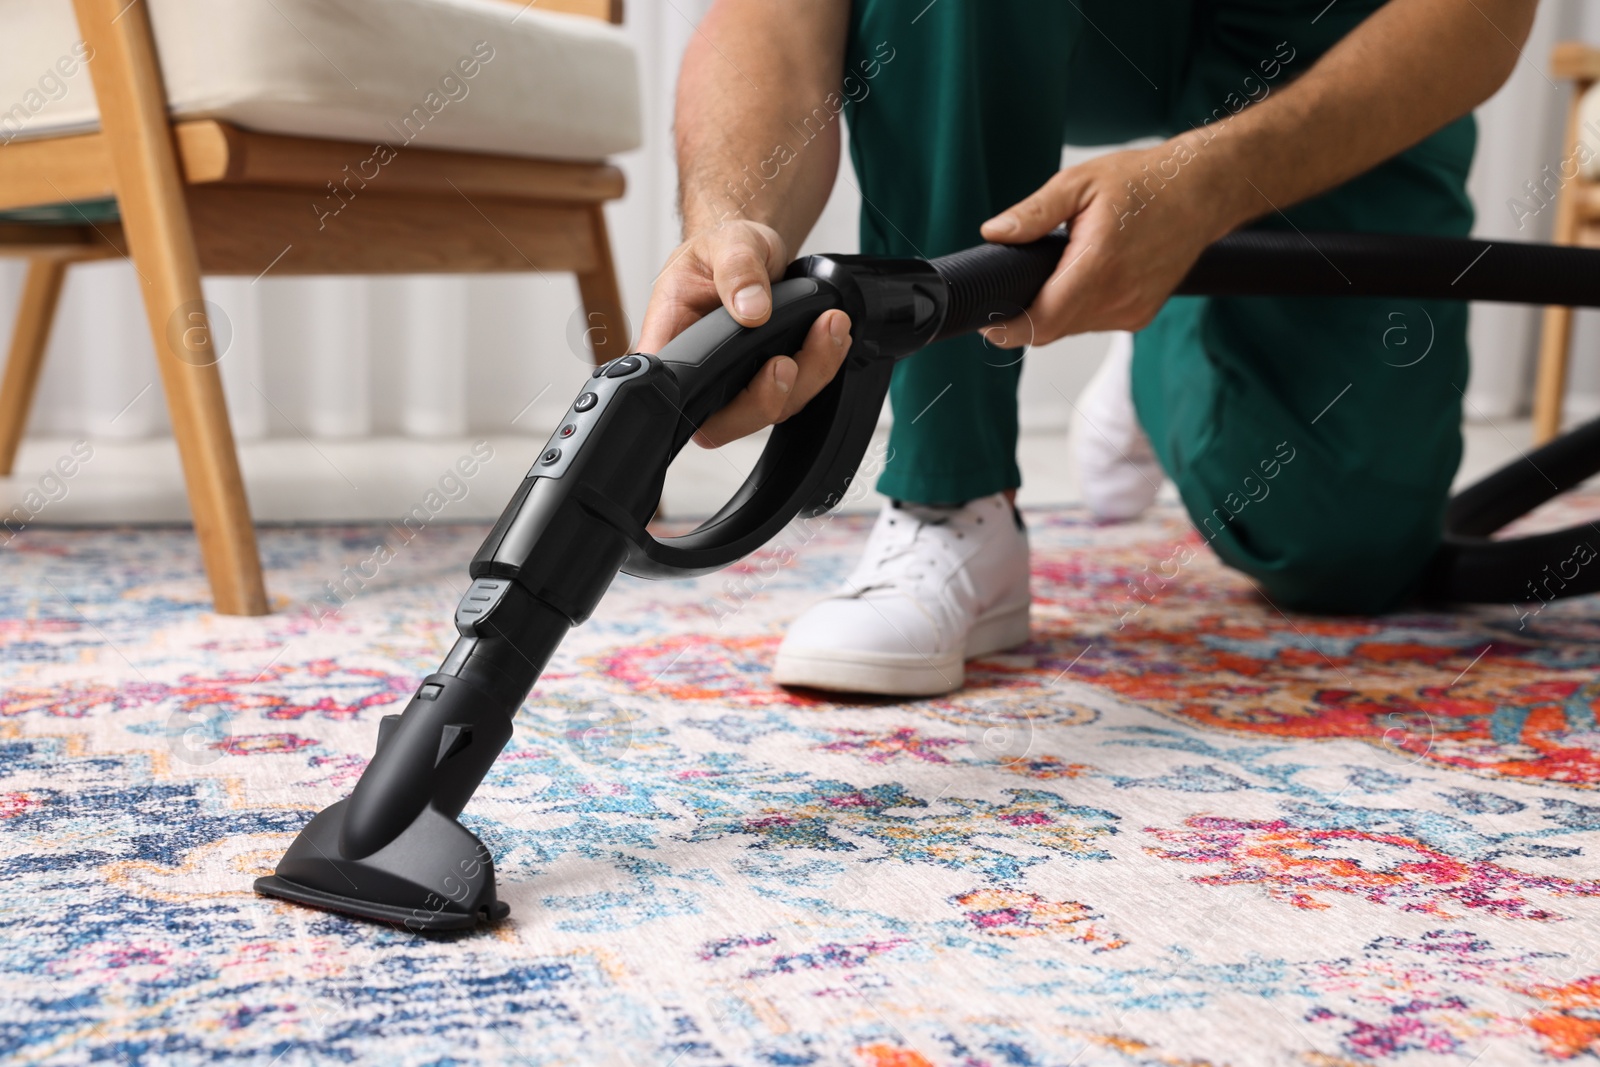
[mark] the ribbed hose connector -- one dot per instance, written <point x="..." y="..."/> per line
<point x="992" y="283"/>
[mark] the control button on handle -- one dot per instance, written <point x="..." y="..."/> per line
<point x="483" y="596"/>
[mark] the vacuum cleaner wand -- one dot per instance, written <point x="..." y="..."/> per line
<point x="393" y="851"/>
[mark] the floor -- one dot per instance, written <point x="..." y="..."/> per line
<point x="300" y="480"/>
<point x="1176" y="827"/>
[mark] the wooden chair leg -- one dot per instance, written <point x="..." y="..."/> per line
<point x="199" y="413"/>
<point x="40" y="294"/>
<point x="1550" y="385"/>
<point x="155" y="219"/>
<point x="602" y="298"/>
<point x="1555" y="340"/>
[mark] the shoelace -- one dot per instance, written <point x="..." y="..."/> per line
<point x="927" y="542"/>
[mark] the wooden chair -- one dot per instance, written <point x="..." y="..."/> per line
<point x="205" y="197"/>
<point x="1577" y="222"/>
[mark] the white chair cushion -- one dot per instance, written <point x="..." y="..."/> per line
<point x="479" y="75"/>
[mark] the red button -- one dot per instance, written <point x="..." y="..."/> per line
<point x="568" y="430"/>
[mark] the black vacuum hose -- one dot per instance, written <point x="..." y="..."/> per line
<point x="1289" y="263"/>
<point x="992" y="283"/>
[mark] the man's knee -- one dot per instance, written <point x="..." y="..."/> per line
<point x="1361" y="560"/>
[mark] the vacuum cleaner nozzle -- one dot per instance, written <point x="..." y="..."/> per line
<point x="436" y="875"/>
<point x="393" y="851"/>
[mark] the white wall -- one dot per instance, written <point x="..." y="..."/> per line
<point x="442" y="356"/>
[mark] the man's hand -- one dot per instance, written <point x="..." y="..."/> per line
<point x="733" y="265"/>
<point x="1125" y="254"/>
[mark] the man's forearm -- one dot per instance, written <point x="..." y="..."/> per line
<point x="1409" y="69"/>
<point x="758" y="114"/>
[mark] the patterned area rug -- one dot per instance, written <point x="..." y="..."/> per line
<point x="1179" y="827"/>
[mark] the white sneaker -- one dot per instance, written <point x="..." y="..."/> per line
<point x="935" y="587"/>
<point x="1118" y="472"/>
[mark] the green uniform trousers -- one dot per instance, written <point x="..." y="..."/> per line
<point x="1313" y="441"/>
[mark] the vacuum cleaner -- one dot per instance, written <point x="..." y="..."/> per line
<point x="394" y="852"/>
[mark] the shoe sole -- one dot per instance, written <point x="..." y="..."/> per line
<point x="891" y="674"/>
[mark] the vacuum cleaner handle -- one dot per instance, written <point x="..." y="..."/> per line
<point x="808" y="460"/>
<point x="714" y="359"/>
<point x="896" y="307"/>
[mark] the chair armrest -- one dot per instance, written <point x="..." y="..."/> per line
<point x="605" y="10"/>
<point x="1575" y="60"/>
